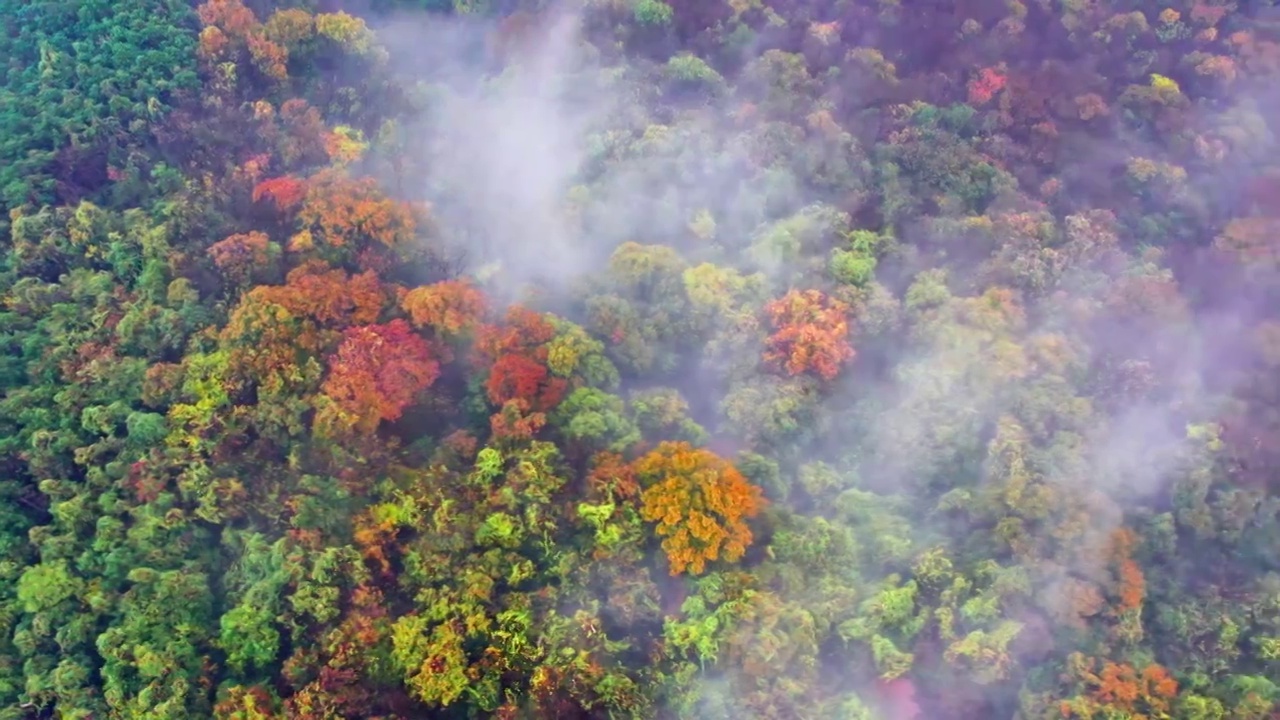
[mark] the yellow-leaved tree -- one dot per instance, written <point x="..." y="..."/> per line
<point x="700" y="503"/>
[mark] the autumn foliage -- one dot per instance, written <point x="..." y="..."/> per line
<point x="339" y="210"/>
<point x="1251" y="242"/>
<point x="700" y="503"/>
<point x="239" y="255"/>
<point x="228" y="26"/>
<point x="332" y="668"/>
<point x="298" y="133"/>
<point x="274" y="328"/>
<point x="985" y="85"/>
<point x="811" y="334"/>
<point x="522" y="377"/>
<point x="231" y="17"/>
<point x="329" y="296"/>
<point x="289" y="27"/>
<point x="247" y="703"/>
<point x="1131" y="585"/>
<point x="450" y="308"/>
<point x="377" y="371"/>
<point x="1119" y="690"/>
<point x="611" y="477"/>
<point x="517" y="352"/>
<point x="515" y="423"/>
<point x="285" y="192"/>
<point x="270" y="451"/>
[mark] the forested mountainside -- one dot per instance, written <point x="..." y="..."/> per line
<point x="712" y="359"/>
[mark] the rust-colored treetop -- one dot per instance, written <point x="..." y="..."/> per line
<point x="377" y="372"/>
<point x="339" y="210"/>
<point x="516" y="352"/>
<point x="1130" y="583"/>
<point x="811" y="334"/>
<point x="329" y="296"/>
<point x="700" y="503"/>
<point x="286" y="192"/>
<point x="237" y="256"/>
<point x="1119" y="690"/>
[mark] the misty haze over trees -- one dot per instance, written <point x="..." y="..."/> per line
<point x="709" y="359"/>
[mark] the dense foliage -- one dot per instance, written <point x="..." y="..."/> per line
<point x="640" y="359"/>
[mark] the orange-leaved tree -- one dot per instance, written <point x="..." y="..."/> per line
<point x="811" y="334"/>
<point x="1130" y="586"/>
<point x="329" y="296"/>
<point x="610" y="476"/>
<point x="285" y="192"/>
<point x="515" y="423"/>
<point x="450" y="308"/>
<point x="1118" y="690"/>
<point x="376" y="373"/>
<point x="229" y="28"/>
<point x="224" y="22"/>
<point x="700" y="503"/>
<point x="340" y="210"/>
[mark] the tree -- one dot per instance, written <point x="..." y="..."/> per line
<point x="286" y="192"/>
<point x="155" y="657"/>
<point x="1118" y="688"/>
<point x="984" y="85"/>
<point x="290" y="27"/>
<point x="596" y="419"/>
<point x="1130" y="585"/>
<point x="774" y="645"/>
<point x="346" y="30"/>
<point x="450" y="307"/>
<point x="231" y="29"/>
<point x="276" y="330"/>
<point x="700" y="504"/>
<point x="88" y="86"/>
<point x="1251" y="243"/>
<point x="663" y="414"/>
<point x="718" y="294"/>
<point x="376" y="372"/>
<point x="230" y="16"/>
<point x="339" y="210"/>
<point x="640" y="309"/>
<point x="253" y="702"/>
<point x="330" y="297"/>
<point x="241" y="256"/>
<point x="517" y="355"/>
<point x="772" y="412"/>
<point x="810" y="334"/>
<point x="610" y="476"/>
<point x="790" y="249"/>
<point x="521" y="377"/>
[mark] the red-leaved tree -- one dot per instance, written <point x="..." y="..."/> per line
<point x="516" y="354"/>
<point x="985" y="85"/>
<point x="285" y="192"/>
<point x="376" y="373"/>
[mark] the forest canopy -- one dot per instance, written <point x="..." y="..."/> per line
<point x="639" y="359"/>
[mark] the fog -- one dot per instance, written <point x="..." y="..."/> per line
<point x="508" y="158"/>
